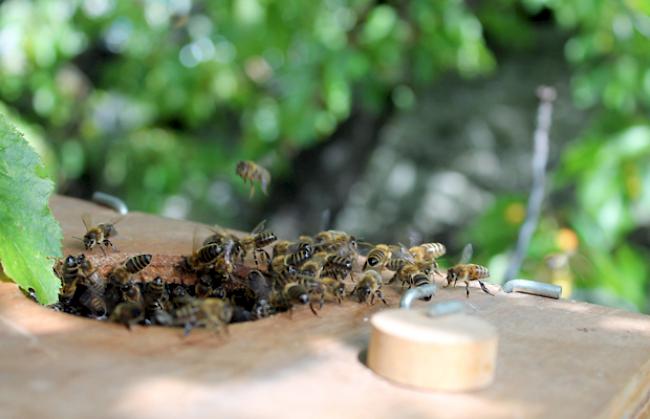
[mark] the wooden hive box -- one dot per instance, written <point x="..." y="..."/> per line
<point x="558" y="359"/>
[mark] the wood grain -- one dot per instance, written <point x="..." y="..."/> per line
<point x="559" y="359"/>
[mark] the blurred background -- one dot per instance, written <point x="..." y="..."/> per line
<point x="393" y="119"/>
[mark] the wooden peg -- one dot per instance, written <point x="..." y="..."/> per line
<point x="455" y="352"/>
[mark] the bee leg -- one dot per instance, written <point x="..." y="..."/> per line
<point x="372" y="299"/>
<point x="484" y="288"/>
<point x="467" y="288"/>
<point x="313" y="310"/>
<point x="381" y="297"/>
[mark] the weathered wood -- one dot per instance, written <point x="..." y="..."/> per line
<point x="559" y="359"/>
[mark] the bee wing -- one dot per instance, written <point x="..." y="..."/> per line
<point x="87" y="220"/>
<point x="468" y="250"/>
<point x="401" y="252"/>
<point x="365" y="246"/>
<point x="195" y="240"/>
<point x="259" y="228"/>
<point x="415" y="238"/>
<point x="116" y="219"/>
<point x="326" y="219"/>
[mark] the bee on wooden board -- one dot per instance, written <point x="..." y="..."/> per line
<point x="369" y="288"/>
<point x="68" y="271"/>
<point x="256" y="241"/>
<point x="467" y="272"/>
<point x="128" y="314"/>
<point x="98" y="235"/>
<point x="378" y="257"/>
<point x="212" y="313"/>
<point x="122" y="273"/>
<point x="253" y="172"/>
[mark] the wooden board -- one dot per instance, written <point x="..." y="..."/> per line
<point x="557" y="359"/>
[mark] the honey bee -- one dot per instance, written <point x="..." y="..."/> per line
<point x="203" y="287"/>
<point x="94" y="301"/>
<point x="405" y="274"/>
<point x="337" y="266"/>
<point x="88" y="275"/>
<point x="333" y="288"/>
<point x="253" y="172"/>
<point x="122" y="274"/>
<point x="156" y="314"/>
<point x="420" y="279"/>
<point x="258" y="284"/>
<point x="282" y="247"/>
<point x="256" y="242"/>
<point x="467" y="272"/>
<point x="336" y="241"/>
<point x="154" y="290"/>
<point x="425" y="255"/>
<point x="312" y="268"/>
<point x="99" y="234"/>
<point x="378" y="257"/>
<point x="68" y="271"/>
<point x="369" y="287"/>
<point x="300" y="256"/>
<point x="127" y="314"/>
<point x="180" y="297"/>
<point x="212" y="313"/>
<point x="131" y="293"/>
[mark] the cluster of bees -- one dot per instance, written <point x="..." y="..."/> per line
<point x="246" y="278"/>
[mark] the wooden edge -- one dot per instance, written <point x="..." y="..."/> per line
<point x="633" y="401"/>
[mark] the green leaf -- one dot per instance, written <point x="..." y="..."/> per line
<point x="29" y="234"/>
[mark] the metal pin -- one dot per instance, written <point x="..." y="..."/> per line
<point x="533" y="287"/>
<point x="110" y="201"/>
<point x="444" y="308"/>
<point x="416" y="293"/>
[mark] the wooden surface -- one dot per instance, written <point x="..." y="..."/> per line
<point x="557" y="359"/>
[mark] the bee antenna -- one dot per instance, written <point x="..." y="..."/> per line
<point x="78" y="238"/>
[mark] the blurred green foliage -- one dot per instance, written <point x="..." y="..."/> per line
<point x="156" y="100"/>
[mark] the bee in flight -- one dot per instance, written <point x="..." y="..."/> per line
<point x="98" y="235"/>
<point x="252" y="173"/>
<point x="467" y="272"/>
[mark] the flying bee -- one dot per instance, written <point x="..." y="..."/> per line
<point x="127" y="314"/>
<point x="212" y="313"/>
<point x="378" y="257"/>
<point x="369" y="287"/>
<point x="253" y="172"/>
<point x="68" y="271"/>
<point x="337" y="266"/>
<point x="98" y="234"/>
<point x="122" y="273"/>
<point x="467" y="272"/>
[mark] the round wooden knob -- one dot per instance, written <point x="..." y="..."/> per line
<point x="455" y="352"/>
